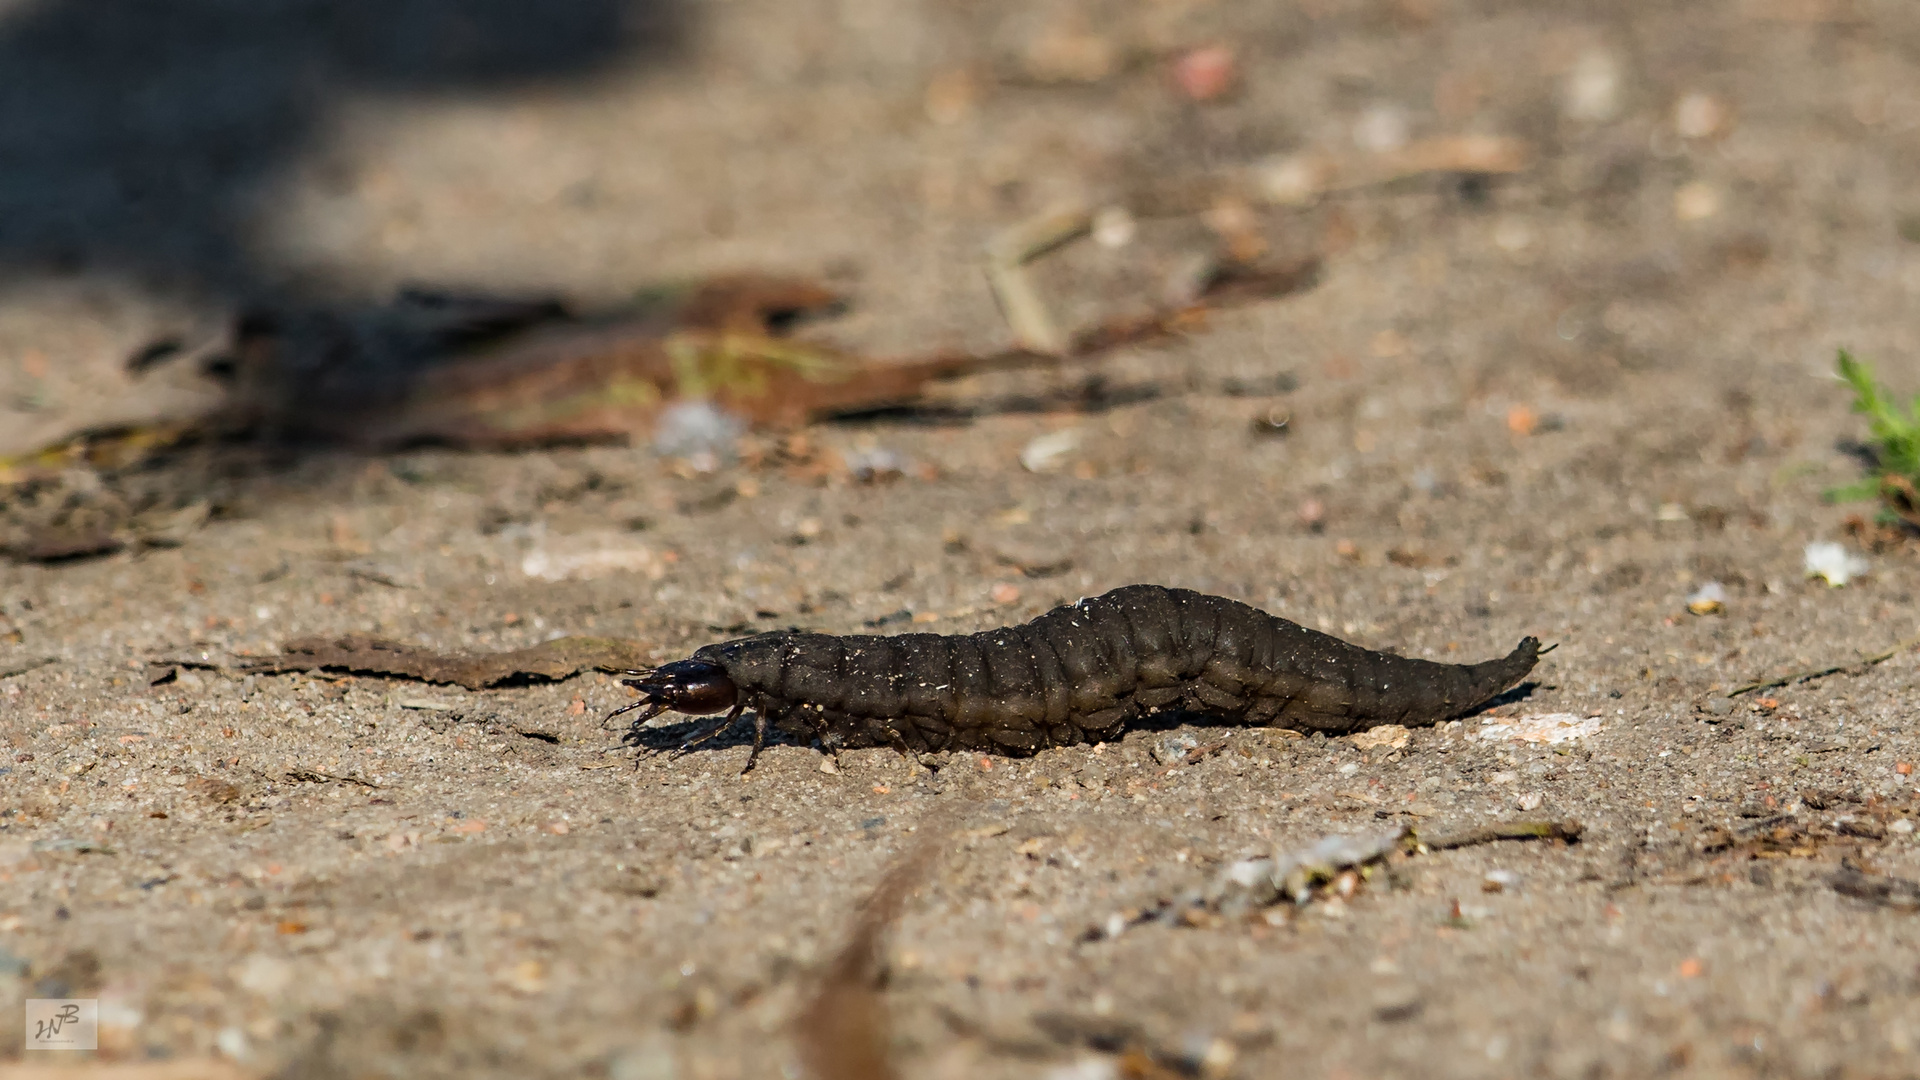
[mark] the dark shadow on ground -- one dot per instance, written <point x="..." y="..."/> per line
<point x="1518" y="694"/>
<point x="135" y="135"/>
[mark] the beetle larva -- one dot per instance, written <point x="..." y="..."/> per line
<point x="1079" y="673"/>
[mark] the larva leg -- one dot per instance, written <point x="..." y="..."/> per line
<point x="759" y="737"/>
<point x="631" y="736"/>
<point x="899" y="742"/>
<point x="732" y="715"/>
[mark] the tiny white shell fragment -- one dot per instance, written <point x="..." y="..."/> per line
<point x="1045" y="452"/>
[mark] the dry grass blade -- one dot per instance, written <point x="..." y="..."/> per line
<point x="1026" y="313"/>
<point x="1564" y="831"/>
<point x="843" y="1033"/>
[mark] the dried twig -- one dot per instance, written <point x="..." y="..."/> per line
<point x="315" y="776"/>
<point x="1856" y="667"/>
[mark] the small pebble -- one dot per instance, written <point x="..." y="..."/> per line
<point x="1086" y="1068"/>
<point x="1207" y="73"/>
<point x="1113" y="227"/>
<point x="1701" y="116"/>
<point x="1382" y="129"/>
<point x="1313" y="514"/>
<point x="1513" y="235"/>
<point x="1591" y="92"/>
<point x="1174" y="749"/>
<point x="1048" y="452"/>
<point x="1500" y="881"/>
<point x="1293" y="179"/>
<point x="1696" y="201"/>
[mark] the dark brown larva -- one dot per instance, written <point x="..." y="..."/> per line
<point x="1079" y="673"/>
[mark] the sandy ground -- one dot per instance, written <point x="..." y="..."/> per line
<point x="1552" y="404"/>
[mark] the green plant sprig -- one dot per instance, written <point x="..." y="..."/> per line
<point x="1894" y="433"/>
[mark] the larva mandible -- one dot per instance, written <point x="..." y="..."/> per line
<point x="1079" y="673"/>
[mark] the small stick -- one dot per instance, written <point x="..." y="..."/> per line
<point x="1815" y="673"/>
<point x="315" y="776"/>
<point x="1568" y="831"/>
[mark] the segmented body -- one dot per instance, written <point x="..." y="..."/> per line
<point x="1086" y="671"/>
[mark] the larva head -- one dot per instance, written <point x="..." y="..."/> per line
<point x="694" y="687"/>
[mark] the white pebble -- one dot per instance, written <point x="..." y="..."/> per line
<point x="1592" y="90"/>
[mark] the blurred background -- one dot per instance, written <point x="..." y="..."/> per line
<point x="165" y="164"/>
